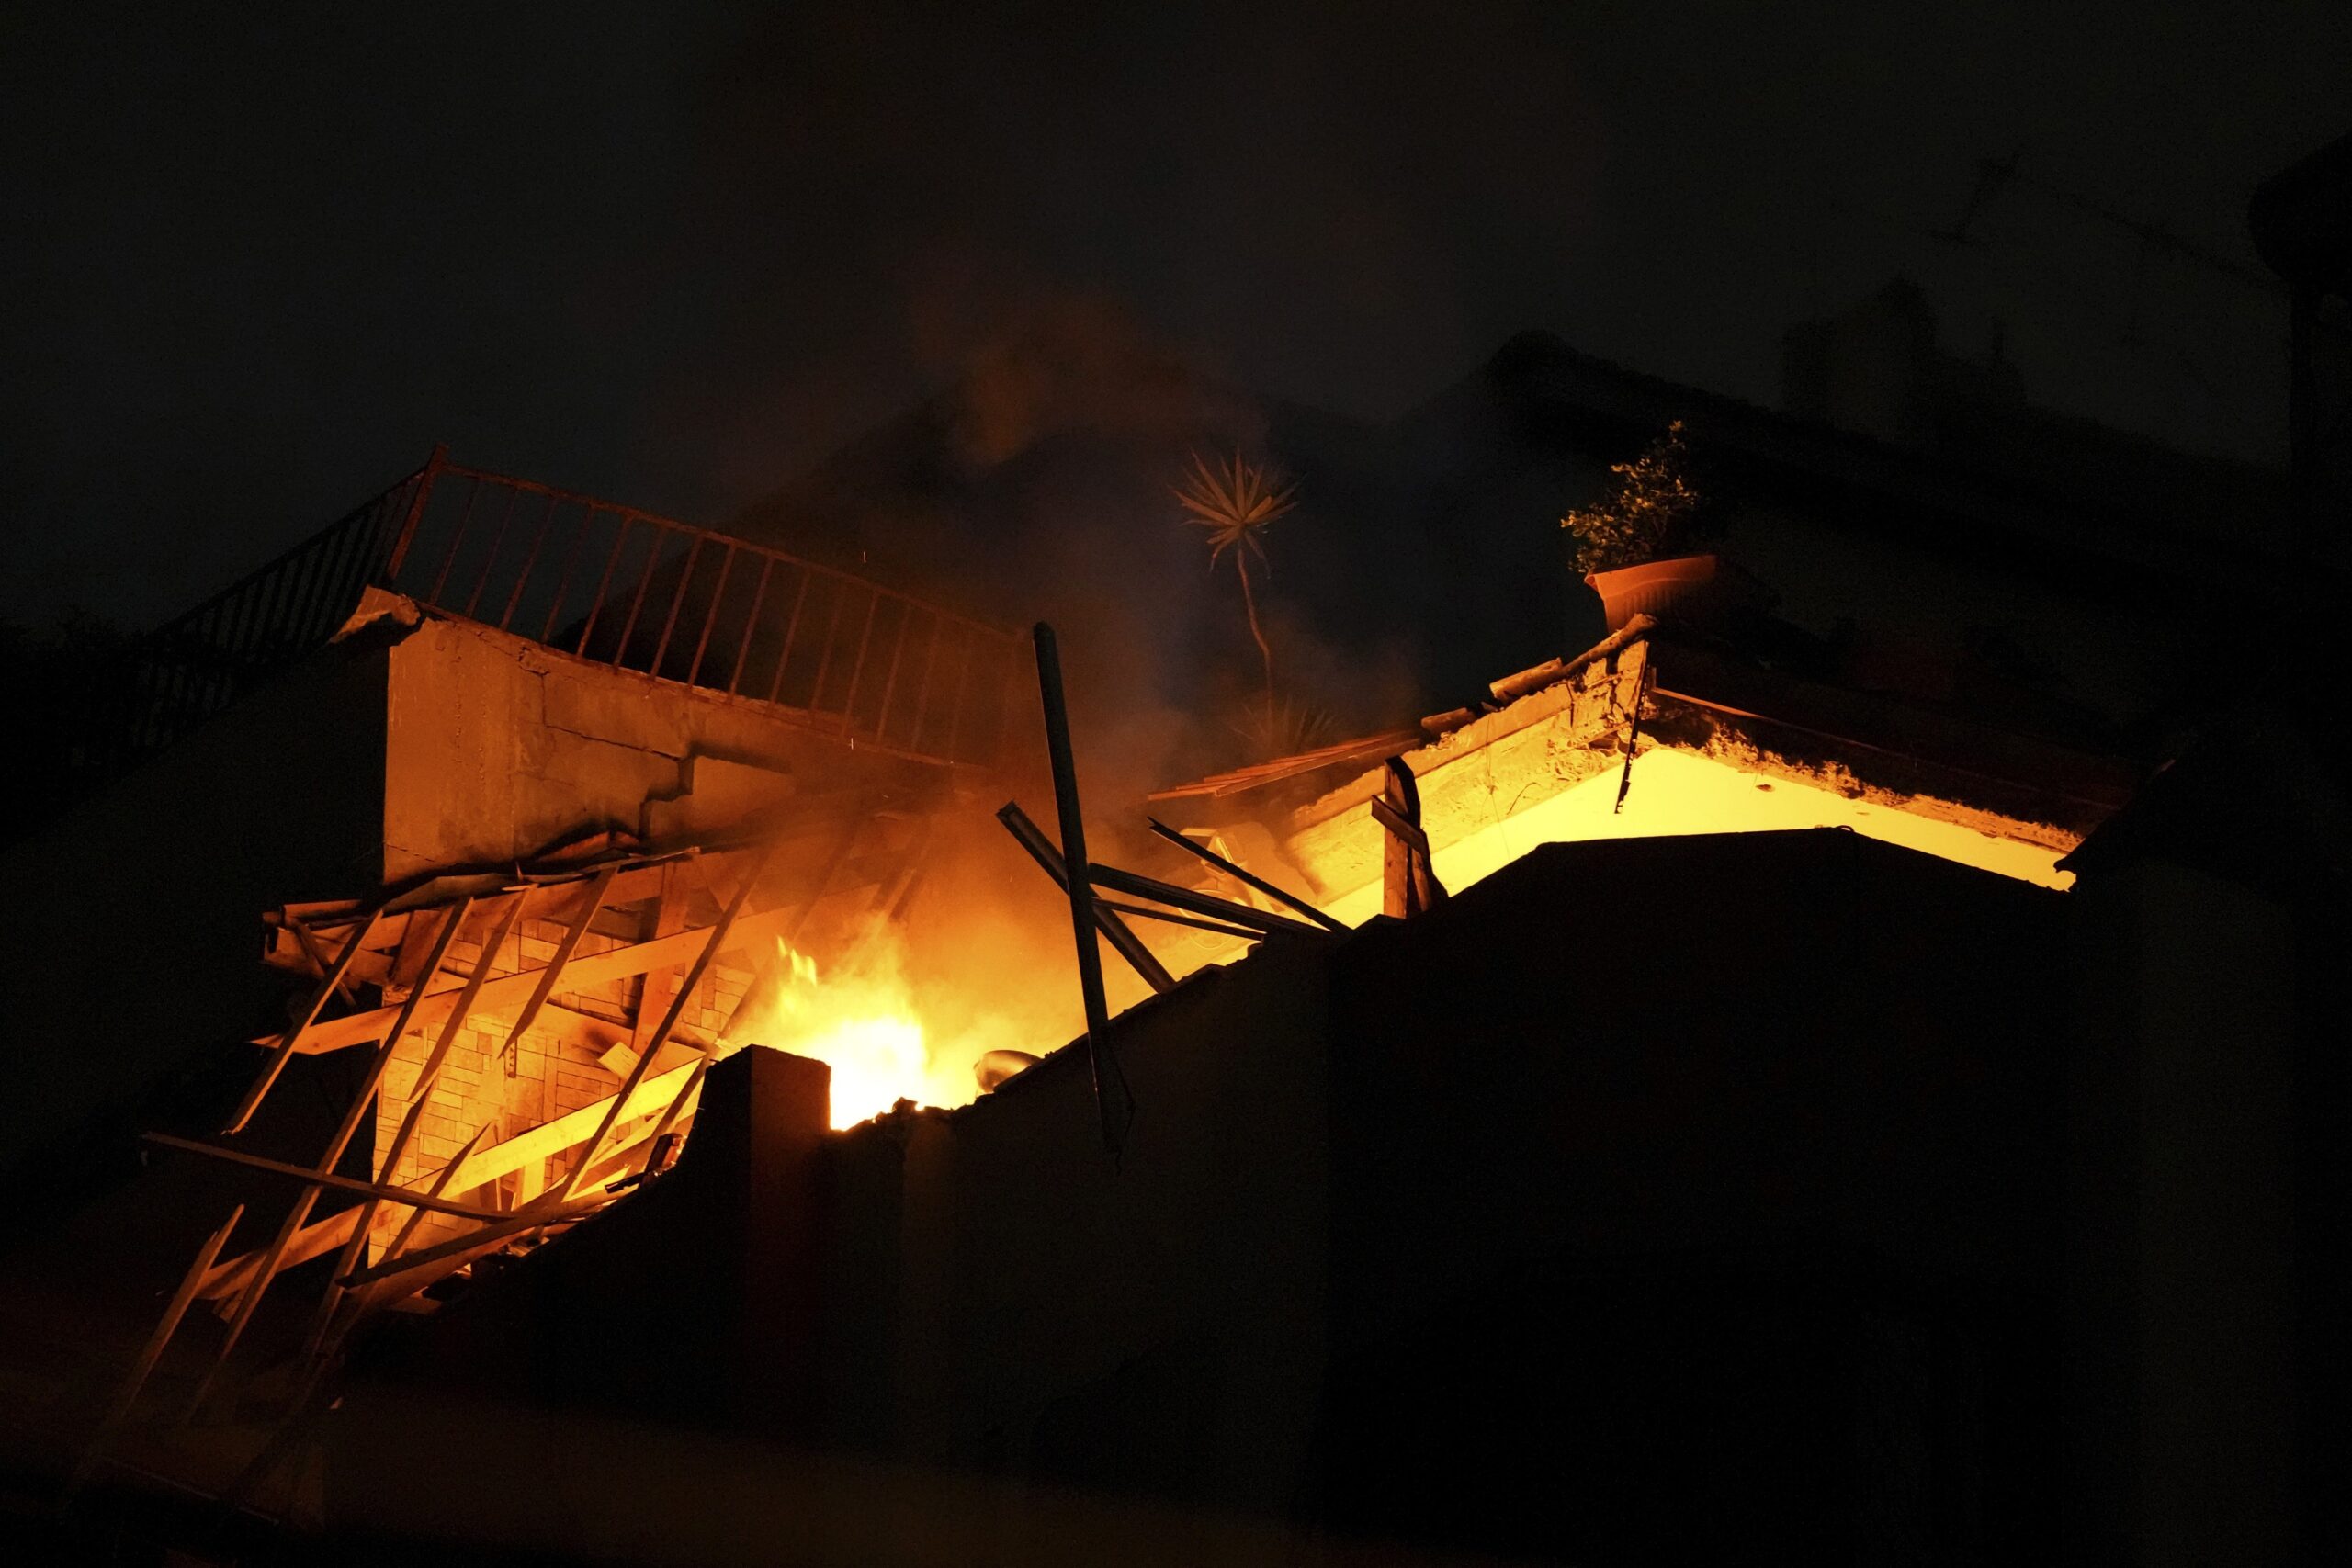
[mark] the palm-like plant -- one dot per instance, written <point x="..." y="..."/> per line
<point x="1236" y="501"/>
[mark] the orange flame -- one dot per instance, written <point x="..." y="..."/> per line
<point x="862" y="1024"/>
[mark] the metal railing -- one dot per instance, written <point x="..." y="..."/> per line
<point x="188" y="669"/>
<point x="632" y="591"/>
<point x="609" y="583"/>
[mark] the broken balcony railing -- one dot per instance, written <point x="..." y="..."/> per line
<point x="612" y="584"/>
<point x="631" y="590"/>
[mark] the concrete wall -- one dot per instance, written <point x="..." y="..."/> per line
<point x="1050" y="1296"/>
<point x="2183" y="1289"/>
<point x="498" y="747"/>
<point x="1395" y="1217"/>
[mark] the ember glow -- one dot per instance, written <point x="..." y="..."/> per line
<point x="864" y="1023"/>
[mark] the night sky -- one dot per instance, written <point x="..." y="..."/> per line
<point x="254" y="270"/>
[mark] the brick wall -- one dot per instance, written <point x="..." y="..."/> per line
<point x="555" y="1069"/>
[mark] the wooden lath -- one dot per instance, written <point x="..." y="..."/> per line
<point x="384" y="973"/>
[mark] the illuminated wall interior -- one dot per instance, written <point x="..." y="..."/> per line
<point x="1675" y="791"/>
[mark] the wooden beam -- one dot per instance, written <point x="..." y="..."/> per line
<point x="1249" y="879"/>
<point x="315" y="1346"/>
<point x="453" y="1023"/>
<point x="1397" y="823"/>
<point x="422" y="1095"/>
<point x="684" y="1104"/>
<point x="1207" y="904"/>
<point x="299" y="1243"/>
<point x="714" y="942"/>
<point x="398" y="1275"/>
<point x="291" y="1041"/>
<point x="127" y="1395"/>
<point x="424" y="929"/>
<point x="595" y="901"/>
<point x="362" y="1106"/>
<point x="1146" y="912"/>
<point x="340" y="1183"/>
<point x="1116" y="932"/>
<point x="583" y="974"/>
<point x="440" y="1188"/>
<point x="230" y="1275"/>
<point x="315" y="958"/>
<point x="1408" y="869"/>
<point x="551" y="1138"/>
<point x="409" y="927"/>
<point x="653" y="993"/>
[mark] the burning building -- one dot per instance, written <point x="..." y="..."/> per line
<point x="1671" y="1105"/>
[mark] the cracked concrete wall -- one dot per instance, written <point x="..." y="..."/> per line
<point x="499" y="748"/>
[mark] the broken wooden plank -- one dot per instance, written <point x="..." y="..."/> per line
<point x="714" y="942"/>
<point x="340" y="1183"/>
<point x="440" y="1188"/>
<point x="597" y="891"/>
<point x="230" y="1275"/>
<point x="1116" y="932"/>
<point x="551" y="1138"/>
<point x="1170" y="917"/>
<point x="1248" y="879"/>
<point x="583" y="972"/>
<point x="291" y="1041"/>
<point x="126" y="1396"/>
<point x="1198" y="903"/>
<point x="314" y="957"/>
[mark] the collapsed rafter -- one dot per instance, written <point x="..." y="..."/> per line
<point x="575" y="967"/>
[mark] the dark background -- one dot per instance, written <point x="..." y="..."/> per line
<point x="255" y="265"/>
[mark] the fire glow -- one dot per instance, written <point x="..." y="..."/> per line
<point x="862" y="1024"/>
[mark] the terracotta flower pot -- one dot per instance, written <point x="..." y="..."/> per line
<point x="1685" y="587"/>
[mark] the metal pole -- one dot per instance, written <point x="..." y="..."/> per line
<point x="416" y="514"/>
<point x="1248" y="879"/>
<point x="1030" y="837"/>
<point x="1111" y="1102"/>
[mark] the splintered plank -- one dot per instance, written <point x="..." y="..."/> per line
<point x="421" y="1094"/>
<point x="572" y="934"/>
<point x="290" y="1043"/>
<point x="583" y="972"/>
<point x="400" y="1273"/>
<point x="340" y="1183"/>
<point x="126" y="1397"/>
<point x="322" y="1320"/>
<point x="551" y="1138"/>
<point x="714" y="942"/>
<point x="362" y="1106"/>
<point x="654" y="991"/>
<point x="230" y="1275"/>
